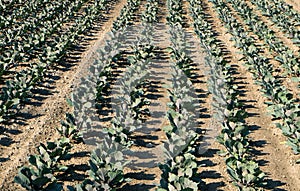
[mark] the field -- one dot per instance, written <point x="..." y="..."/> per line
<point x="159" y="95"/>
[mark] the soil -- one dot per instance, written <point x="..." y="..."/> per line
<point x="38" y="120"/>
<point x="294" y="3"/>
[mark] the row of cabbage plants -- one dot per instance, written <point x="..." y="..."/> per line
<point x="287" y="9"/>
<point x="280" y="14"/>
<point x="175" y="12"/>
<point x="281" y="104"/>
<point x="150" y="15"/>
<point x="179" y="49"/>
<point x="127" y="14"/>
<point x="106" y="160"/>
<point x="180" y="171"/>
<point x="16" y="11"/>
<point x="179" y="46"/>
<point x="30" y="39"/>
<point x="44" y="166"/>
<point x="17" y="90"/>
<point x="130" y="102"/>
<point x="283" y="53"/>
<point x="180" y="168"/>
<point x="229" y="111"/>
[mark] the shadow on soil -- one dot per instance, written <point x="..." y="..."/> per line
<point x="7" y="135"/>
<point x="138" y="176"/>
<point x="210" y="174"/>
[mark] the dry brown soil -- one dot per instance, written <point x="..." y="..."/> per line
<point x="39" y="119"/>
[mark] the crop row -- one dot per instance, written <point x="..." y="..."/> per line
<point x="40" y="175"/>
<point x="281" y="105"/>
<point x="229" y="111"/>
<point x="180" y="170"/>
<point x="106" y="161"/>
<point x="17" y="10"/>
<point x="284" y="54"/>
<point x="127" y="15"/>
<point x="283" y="16"/>
<point x="31" y="41"/>
<point x="17" y="90"/>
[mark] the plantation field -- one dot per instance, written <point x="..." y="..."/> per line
<point x="150" y="95"/>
